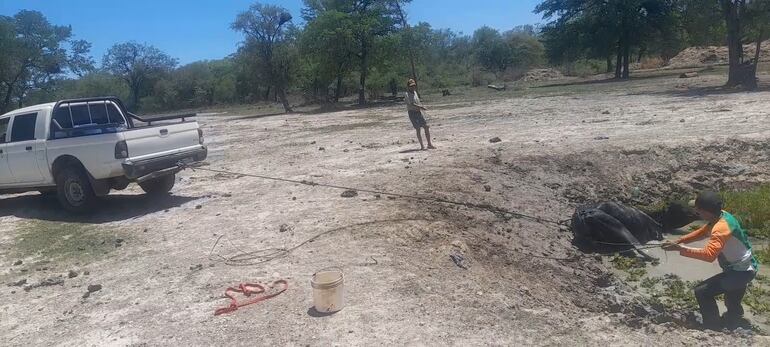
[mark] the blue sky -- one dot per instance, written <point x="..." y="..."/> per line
<point x="192" y="30"/>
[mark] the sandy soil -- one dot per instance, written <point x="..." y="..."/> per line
<point x="525" y="285"/>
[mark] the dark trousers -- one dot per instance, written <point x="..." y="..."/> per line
<point x="730" y="283"/>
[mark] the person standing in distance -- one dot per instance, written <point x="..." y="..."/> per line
<point x="415" y="108"/>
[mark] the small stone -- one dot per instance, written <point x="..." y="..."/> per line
<point x="606" y="112"/>
<point x="602" y="137"/>
<point x="294" y="198"/>
<point x="495" y="140"/>
<point x="312" y="143"/>
<point x="349" y="193"/>
<point x="227" y="195"/>
<point x="94" y="288"/>
<point x="145" y="230"/>
<point x="86" y="273"/>
<point x="346" y="150"/>
<point x="479" y="293"/>
<point x="72" y="274"/>
<point x="321" y="148"/>
<point x="284" y="228"/>
<point x="17" y="263"/>
<point x="86" y="295"/>
<point x="198" y="207"/>
<point x="681" y="120"/>
<point x="487" y="188"/>
<point x="18" y="283"/>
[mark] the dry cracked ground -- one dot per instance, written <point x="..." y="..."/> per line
<point x="156" y="269"/>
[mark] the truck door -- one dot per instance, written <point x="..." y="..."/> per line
<point x="22" y="149"/>
<point x="5" y="172"/>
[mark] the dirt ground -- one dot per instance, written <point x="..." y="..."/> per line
<point x="162" y="276"/>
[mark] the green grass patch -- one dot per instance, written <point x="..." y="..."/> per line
<point x="674" y="293"/>
<point x="634" y="267"/>
<point x="626" y="263"/>
<point x="763" y="255"/>
<point x="636" y="274"/>
<point x="651" y="283"/>
<point x="59" y="241"/>
<point x="752" y="208"/>
<point x="758" y="296"/>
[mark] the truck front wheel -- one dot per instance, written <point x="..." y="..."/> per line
<point x="159" y="186"/>
<point x="74" y="191"/>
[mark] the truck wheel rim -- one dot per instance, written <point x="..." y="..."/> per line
<point x="75" y="192"/>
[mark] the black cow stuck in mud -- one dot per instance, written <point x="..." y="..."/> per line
<point x="612" y="227"/>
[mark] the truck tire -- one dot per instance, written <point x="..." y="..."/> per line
<point x="74" y="191"/>
<point x="159" y="186"/>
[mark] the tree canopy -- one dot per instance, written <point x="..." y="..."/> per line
<point x="357" y="50"/>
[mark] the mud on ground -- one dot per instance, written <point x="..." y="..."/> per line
<point x="524" y="283"/>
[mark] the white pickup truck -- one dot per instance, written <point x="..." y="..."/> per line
<point x="80" y="149"/>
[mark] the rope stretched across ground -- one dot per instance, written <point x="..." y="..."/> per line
<point x="246" y="258"/>
<point x="484" y="207"/>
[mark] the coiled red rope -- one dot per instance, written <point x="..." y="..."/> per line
<point x="249" y="289"/>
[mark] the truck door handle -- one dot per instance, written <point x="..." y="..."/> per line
<point x="164" y="132"/>
<point x="29" y="148"/>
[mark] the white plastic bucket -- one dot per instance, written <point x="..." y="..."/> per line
<point x="328" y="290"/>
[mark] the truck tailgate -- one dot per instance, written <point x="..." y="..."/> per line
<point x="162" y="139"/>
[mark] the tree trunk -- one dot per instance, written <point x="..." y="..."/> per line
<point x="619" y="60"/>
<point x="338" y="90"/>
<point x="364" y="71"/>
<point x="281" y="92"/>
<point x="406" y="27"/>
<point x="609" y="63"/>
<point x="758" y="52"/>
<point x="135" y="96"/>
<point x="267" y="94"/>
<point x="626" y="58"/>
<point x="734" y="44"/>
<point x="7" y="100"/>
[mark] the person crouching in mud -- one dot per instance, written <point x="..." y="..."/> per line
<point x="729" y="244"/>
<point x="415" y="108"/>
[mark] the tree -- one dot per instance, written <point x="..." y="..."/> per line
<point x="742" y="16"/>
<point x="627" y="24"/>
<point x="139" y="65"/>
<point x="267" y="29"/>
<point x="492" y="52"/>
<point x="371" y="19"/>
<point x="327" y="42"/>
<point x="33" y="56"/>
<point x="96" y="83"/>
<point x="526" y="49"/>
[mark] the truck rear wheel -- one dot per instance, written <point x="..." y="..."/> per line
<point x="74" y="190"/>
<point x="159" y="186"/>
